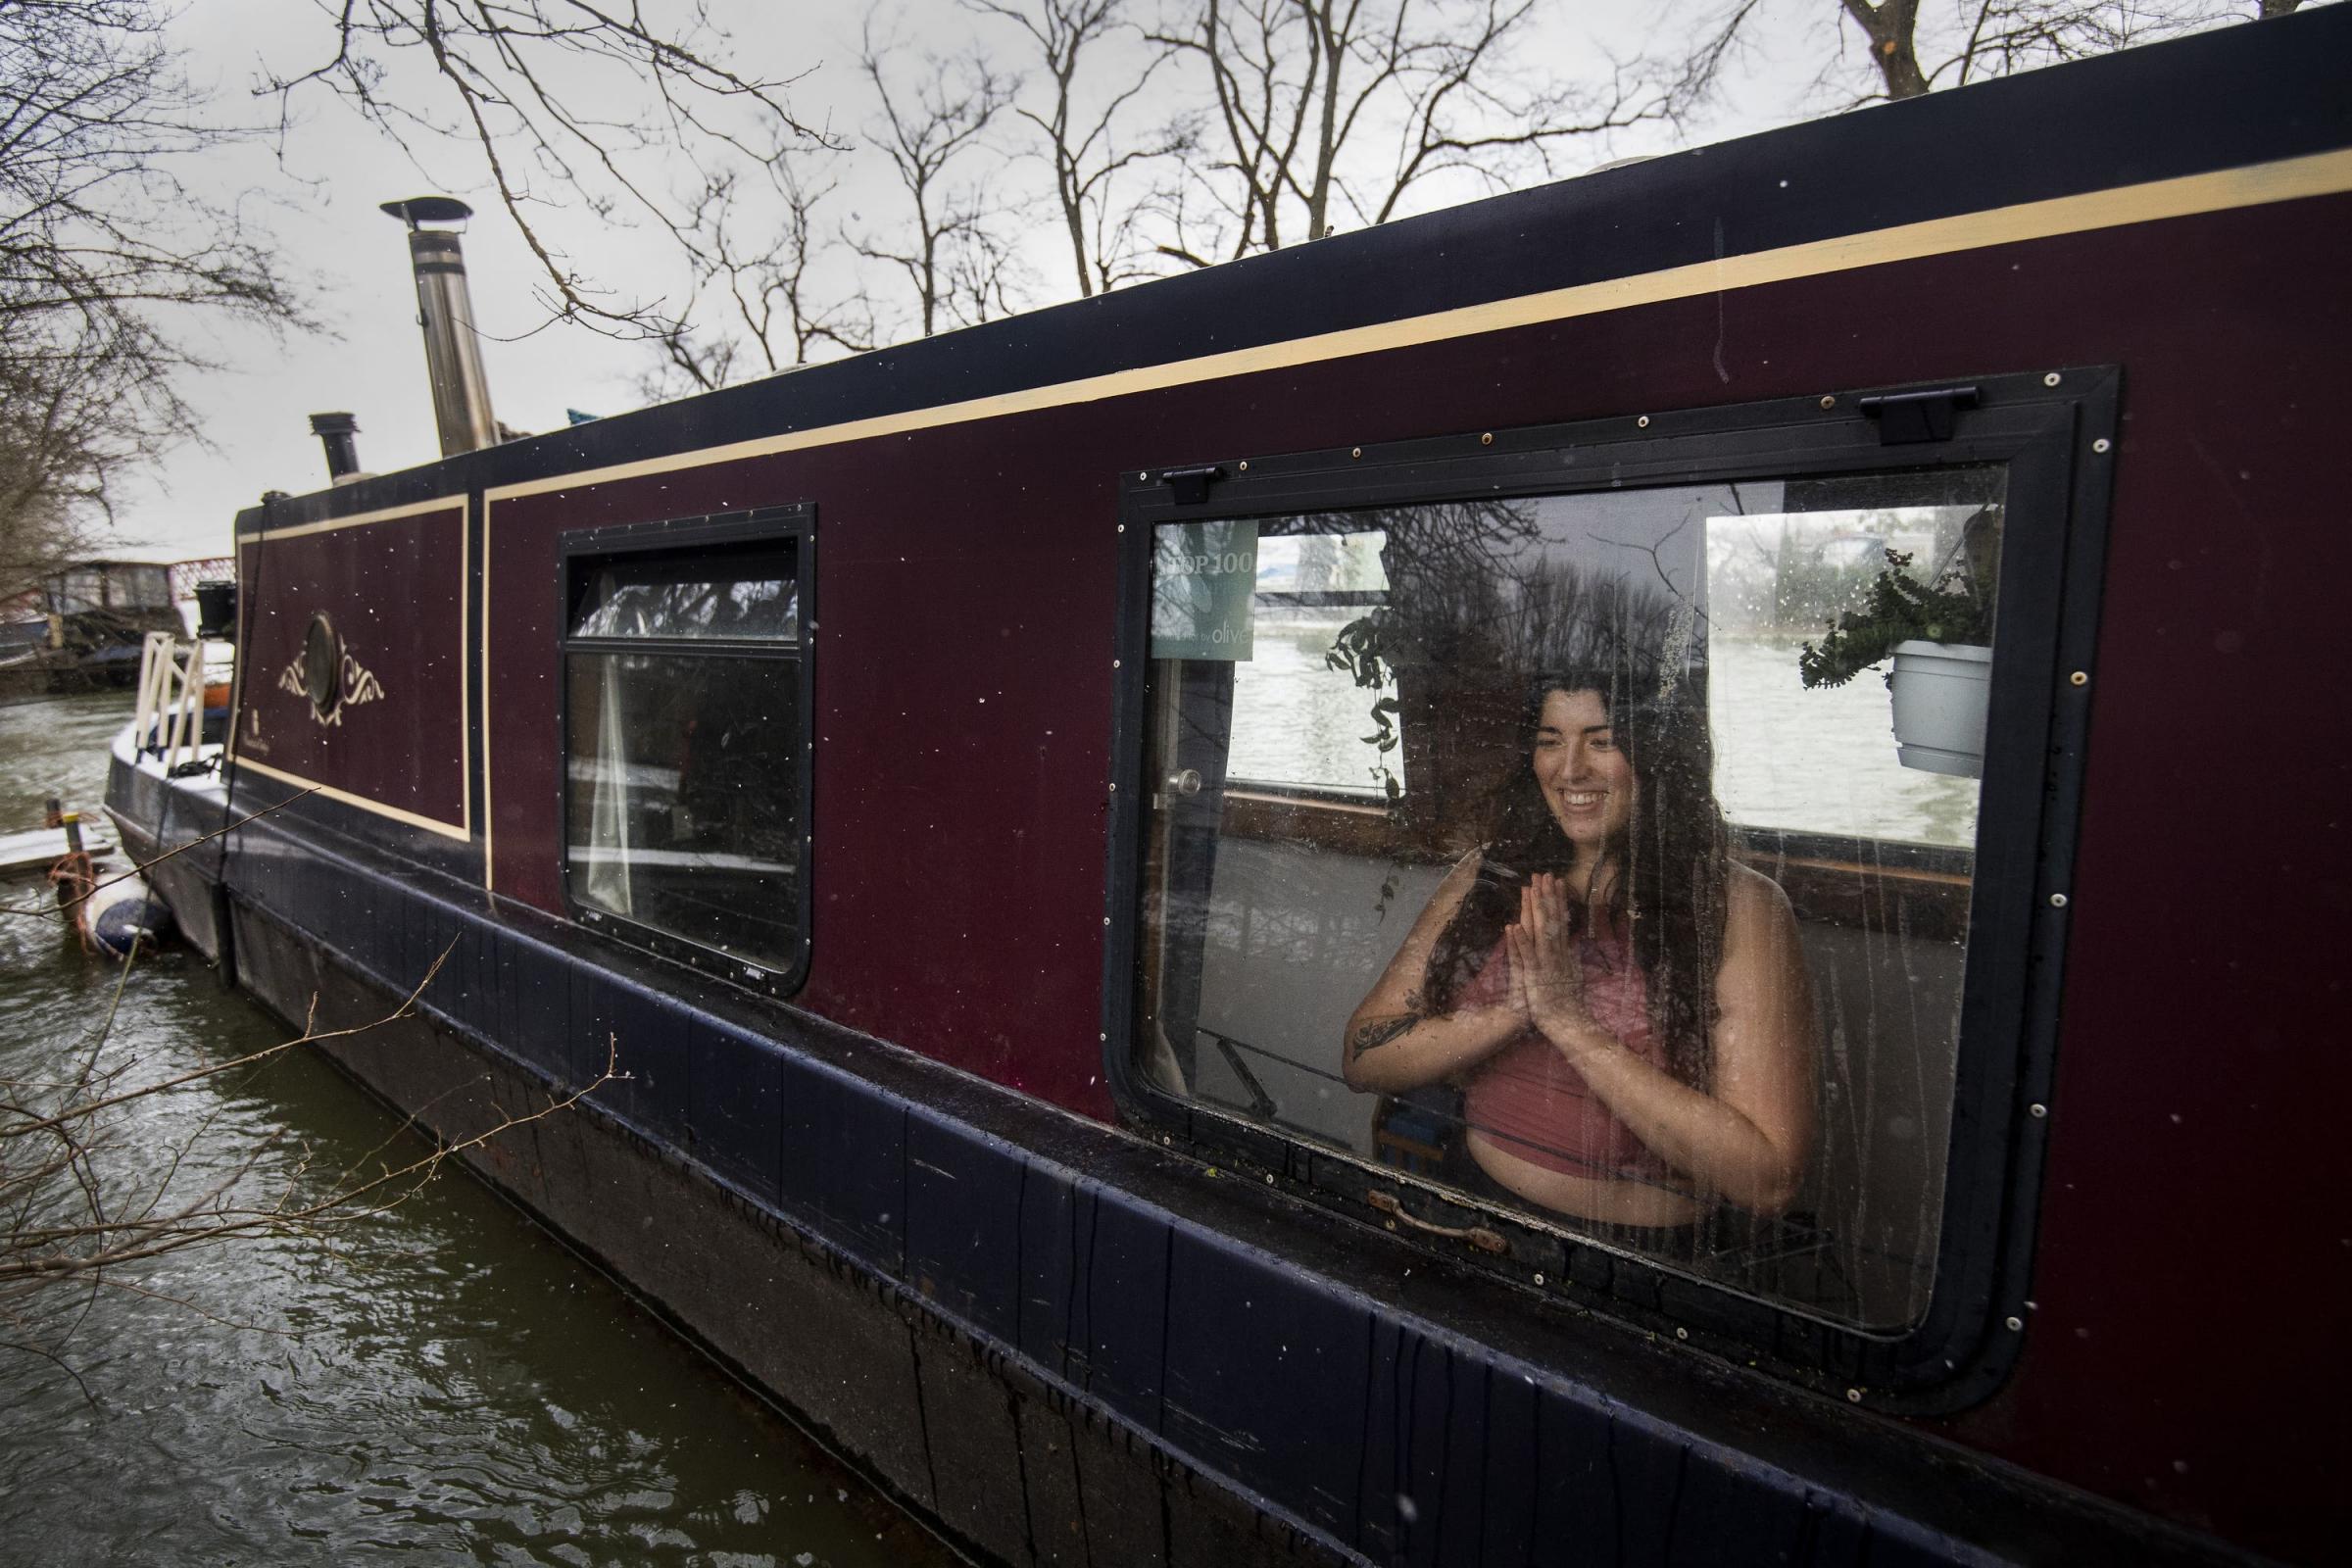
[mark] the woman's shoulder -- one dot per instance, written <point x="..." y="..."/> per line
<point x="1750" y="897"/>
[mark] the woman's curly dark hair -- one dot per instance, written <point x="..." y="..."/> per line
<point x="1664" y="879"/>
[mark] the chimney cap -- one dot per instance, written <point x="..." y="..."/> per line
<point x="418" y="210"/>
<point x="333" y="424"/>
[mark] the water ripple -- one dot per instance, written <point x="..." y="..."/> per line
<point x="442" y="1385"/>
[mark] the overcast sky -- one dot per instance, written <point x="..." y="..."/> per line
<point x="320" y="199"/>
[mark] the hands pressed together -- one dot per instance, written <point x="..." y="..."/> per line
<point x="1548" y="977"/>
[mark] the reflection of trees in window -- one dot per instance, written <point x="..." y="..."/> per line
<point x="1479" y="601"/>
<point x="689" y="607"/>
<point x="1446" y="566"/>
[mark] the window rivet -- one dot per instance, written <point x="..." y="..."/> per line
<point x="1487" y="439"/>
<point x="2015" y="1325"/>
<point x="2101" y="443"/>
<point x="1107" y="919"/>
<point x="2037" y="1111"/>
<point x="1269" y="1180"/>
<point x="1244" y="465"/>
<point x="1829" y="402"/>
<point x="2050" y="379"/>
<point x="1642" y="423"/>
<point x="2081" y="677"/>
<point x="1853" y="1395"/>
<point x="1539" y="1279"/>
<point x="1122" y="527"/>
<point x="2057" y="900"/>
<point x="1114" y="789"/>
<point x="1104" y="1035"/>
<point x="1682" y="1334"/>
<point x="1145" y="476"/>
<point x="1114" y="664"/>
<point x="1357" y="453"/>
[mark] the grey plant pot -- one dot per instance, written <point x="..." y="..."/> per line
<point x="1940" y="694"/>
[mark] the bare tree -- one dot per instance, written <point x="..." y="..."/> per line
<point x="774" y="313"/>
<point x="931" y="128"/>
<point x="61" y="441"/>
<point x="1299" y="89"/>
<point x="106" y="257"/>
<point x="538" y="89"/>
<point x="1971" y="39"/>
<point x="1888" y="28"/>
<point x="1091" y="123"/>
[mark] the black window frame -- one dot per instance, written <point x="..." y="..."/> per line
<point x="580" y="551"/>
<point x="2054" y="432"/>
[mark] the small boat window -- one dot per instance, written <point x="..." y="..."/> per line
<point x="1592" y="857"/>
<point x="685" y="701"/>
<point x="742" y="594"/>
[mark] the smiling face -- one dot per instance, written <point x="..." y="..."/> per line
<point x="1588" y="782"/>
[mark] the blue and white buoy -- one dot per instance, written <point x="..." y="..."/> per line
<point x="124" y="913"/>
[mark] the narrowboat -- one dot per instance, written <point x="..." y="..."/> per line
<point x="999" y="798"/>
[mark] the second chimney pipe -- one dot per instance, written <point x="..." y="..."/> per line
<point x="337" y="433"/>
<point x="453" y="356"/>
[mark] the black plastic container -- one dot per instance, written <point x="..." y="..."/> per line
<point x="217" y="609"/>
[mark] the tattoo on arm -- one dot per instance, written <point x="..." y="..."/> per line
<point x="1379" y="1032"/>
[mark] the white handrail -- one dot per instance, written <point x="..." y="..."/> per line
<point x="154" y="662"/>
<point x="169" y="721"/>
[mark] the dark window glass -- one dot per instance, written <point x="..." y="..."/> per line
<point x="684" y="811"/>
<point x="683" y="788"/>
<point x="1505" y="844"/>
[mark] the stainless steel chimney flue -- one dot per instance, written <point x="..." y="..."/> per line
<point x="453" y="355"/>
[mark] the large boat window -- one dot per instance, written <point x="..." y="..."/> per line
<point x="685" y="798"/>
<point x="1551" y="850"/>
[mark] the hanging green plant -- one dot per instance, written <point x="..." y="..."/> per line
<point x="1360" y="652"/>
<point x="1899" y="609"/>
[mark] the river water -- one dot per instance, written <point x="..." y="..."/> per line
<point x="1819" y="762"/>
<point x="439" y="1384"/>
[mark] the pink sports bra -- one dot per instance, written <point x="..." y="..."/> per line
<point x="1529" y="1101"/>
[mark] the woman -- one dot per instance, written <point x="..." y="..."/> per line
<point x="1626" y="1012"/>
